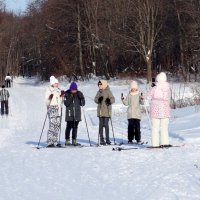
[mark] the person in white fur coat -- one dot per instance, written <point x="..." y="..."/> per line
<point x="54" y="99"/>
<point x="160" y="96"/>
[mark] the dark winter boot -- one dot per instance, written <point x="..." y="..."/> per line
<point x="108" y="142"/>
<point x="102" y="142"/>
<point x="50" y="145"/>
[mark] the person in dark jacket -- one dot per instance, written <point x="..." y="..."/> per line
<point x="73" y="101"/>
<point x="4" y="96"/>
<point x="104" y="98"/>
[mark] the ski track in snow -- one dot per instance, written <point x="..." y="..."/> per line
<point x="94" y="172"/>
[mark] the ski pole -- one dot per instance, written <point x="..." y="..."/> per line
<point x="43" y="126"/>
<point x="98" y="143"/>
<point x="111" y="125"/>
<point x="59" y="145"/>
<point x="42" y="131"/>
<point x="86" y="126"/>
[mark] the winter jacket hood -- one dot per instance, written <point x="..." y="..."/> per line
<point x="104" y="84"/>
<point x="162" y="77"/>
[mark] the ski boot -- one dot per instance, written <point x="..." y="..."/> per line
<point x="108" y="142"/>
<point x="50" y="145"/>
<point x="75" y="143"/>
<point x="67" y="142"/>
<point x="102" y="143"/>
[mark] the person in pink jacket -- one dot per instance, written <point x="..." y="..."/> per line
<point x="160" y="96"/>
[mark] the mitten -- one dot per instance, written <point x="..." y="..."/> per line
<point x="62" y="93"/>
<point x="108" y="102"/>
<point x="50" y="96"/>
<point x="100" y="99"/>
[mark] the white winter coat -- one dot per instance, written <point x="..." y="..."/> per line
<point x="56" y="100"/>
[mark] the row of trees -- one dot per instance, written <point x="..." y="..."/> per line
<point x="109" y="37"/>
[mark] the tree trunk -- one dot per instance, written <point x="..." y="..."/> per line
<point x="149" y="71"/>
<point x="79" y="41"/>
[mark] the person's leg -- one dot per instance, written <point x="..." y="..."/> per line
<point x="155" y="132"/>
<point x="101" y="121"/>
<point x="164" y="134"/>
<point x="74" y="132"/>
<point x="106" y="125"/>
<point x="54" y="125"/>
<point x="2" y="107"/>
<point x="67" y="131"/>
<point x="137" y="130"/>
<point x="130" y="130"/>
<point x="6" y="107"/>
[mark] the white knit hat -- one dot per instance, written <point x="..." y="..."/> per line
<point x="134" y="85"/>
<point x="162" y="77"/>
<point x="53" y="80"/>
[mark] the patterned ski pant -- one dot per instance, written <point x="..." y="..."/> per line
<point x="54" y="125"/>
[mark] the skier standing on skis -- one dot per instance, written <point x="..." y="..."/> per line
<point x="133" y="101"/>
<point x="160" y="96"/>
<point x="4" y="96"/>
<point x="104" y="98"/>
<point x="54" y="99"/>
<point x="73" y="101"/>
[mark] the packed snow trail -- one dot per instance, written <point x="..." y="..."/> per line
<point x="93" y="173"/>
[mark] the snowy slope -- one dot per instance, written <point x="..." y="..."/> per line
<point x="94" y="173"/>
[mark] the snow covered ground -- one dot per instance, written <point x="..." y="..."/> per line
<point x="94" y="173"/>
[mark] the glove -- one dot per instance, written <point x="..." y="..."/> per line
<point x="108" y="102"/>
<point x="100" y="99"/>
<point x="50" y="96"/>
<point x="62" y="93"/>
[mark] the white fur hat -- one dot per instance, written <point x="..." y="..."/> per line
<point x="162" y="77"/>
<point x="53" y="80"/>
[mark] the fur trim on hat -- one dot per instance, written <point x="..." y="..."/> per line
<point x="104" y="84"/>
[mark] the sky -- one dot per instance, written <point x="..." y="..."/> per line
<point x="16" y="5"/>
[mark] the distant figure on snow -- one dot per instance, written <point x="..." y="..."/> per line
<point x="54" y="99"/>
<point x="4" y="96"/>
<point x="104" y="98"/>
<point x="160" y="96"/>
<point x="73" y="101"/>
<point x="8" y="80"/>
<point x="133" y="101"/>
